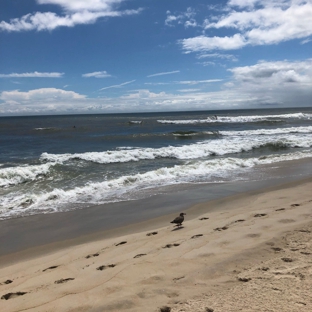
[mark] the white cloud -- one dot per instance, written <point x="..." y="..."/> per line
<point x="117" y="86"/>
<point x="288" y="83"/>
<point x="203" y="43"/>
<point x="98" y="74"/>
<point x="186" y="18"/>
<point x="195" y="82"/>
<point x="143" y="94"/>
<point x="46" y="94"/>
<point x="256" y="23"/>
<point x="276" y="74"/>
<point x="164" y="73"/>
<point x="82" y="5"/>
<point x="157" y="83"/>
<point x="76" y="12"/>
<point x="217" y="55"/>
<point x="189" y="90"/>
<point x="32" y="75"/>
<point x="283" y="83"/>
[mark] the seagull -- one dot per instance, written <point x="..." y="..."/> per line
<point x="178" y="220"/>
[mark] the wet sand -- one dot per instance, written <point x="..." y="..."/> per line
<point x="248" y="251"/>
<point x="38" y="234"/>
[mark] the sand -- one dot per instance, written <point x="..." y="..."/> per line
<point x="252" y="252"/>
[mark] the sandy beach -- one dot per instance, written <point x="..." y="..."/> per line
<point x="246" y="252"/>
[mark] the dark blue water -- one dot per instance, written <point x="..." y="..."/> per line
<point x="56" y="163"/>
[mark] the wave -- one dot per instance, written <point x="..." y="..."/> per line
<point x="46" y="129"/>
<point x="127" y="187"/>
<point x="221" y="146"/>
<point x="240" y="119"/>
<point x="22" y="174"/>
<point x="268" y="131"/>
<point x="135" y="122"/>
<point x="194" y="133"/>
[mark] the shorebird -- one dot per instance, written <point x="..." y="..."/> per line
<point x="178" y="220"/>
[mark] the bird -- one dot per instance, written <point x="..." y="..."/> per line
<point x="178" y="220"/>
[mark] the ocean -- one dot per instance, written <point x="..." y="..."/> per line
<point x="53" y="164"/>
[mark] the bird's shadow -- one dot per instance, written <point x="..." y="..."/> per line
<point x="177" y="228"/>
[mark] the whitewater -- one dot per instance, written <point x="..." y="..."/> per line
<point x="60" y="163"/>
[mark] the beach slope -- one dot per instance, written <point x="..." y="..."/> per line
<point x="251" y="253"/>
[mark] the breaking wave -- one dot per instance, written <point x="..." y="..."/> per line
<point x="240" y="119"/>
<point x="22" y="174"/>
<point x="125" y="187"/>
<point x="225" y="145"/>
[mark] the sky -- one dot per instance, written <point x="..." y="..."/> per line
<point x="122" y="56"/>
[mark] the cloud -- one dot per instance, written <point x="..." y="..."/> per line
<point x="203" y="43"/>
<point x="143" y="94"/>
<point x="195" y="82"/>
<point x="164" y="73"/>
<point x="218" y="55"/>
<point x="189" y="90"/>
<point x="276" y="74"/>
<point x="186" y="18"/>
<point x="39" y="95"/>
<point x="98" y="74"/>
<point x="32" y="75"/>
<point x="285" y="83"/>
<point x="82" y="5"/>
<point x="117" y="86"/>
<point x="255" y="23"/>
<point x="75" y="13"/>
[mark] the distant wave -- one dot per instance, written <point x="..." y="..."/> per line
<point x="22" y="174"/>
<point x="135" y="122"/>
<point x="239" y="119"/>
<point x="222" y="146"/>
<point x="187" y="134"/>
<point x="45" y="129"/>
<point x="269" y="131"/>
<point x="122" y="188"/>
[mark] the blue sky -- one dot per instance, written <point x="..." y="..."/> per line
<point x="107" y="56"/>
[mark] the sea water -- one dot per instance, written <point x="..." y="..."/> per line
<point x="59" y="163"/>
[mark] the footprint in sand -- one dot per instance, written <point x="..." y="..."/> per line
<point x="64" y="280"/>
<point x="151" y="233"/>
<point x="94" y="255"/>
<point x="6" y="282"/>
<point x="121" y="243"/>
<point x="196" y="236"/>
<point x="171" y="245"/>
<point x="103" y="267"/>
<point x="295" y="205"/>
<point x="280" y="209"/>
<point x="13" y="295"/>
<point x="204" y="218"/>
<point x="277" y="249"/>
<point x="264" y="269"/>
<point x="244" y="279"/>
<point x="260" y="215"/>
<point x="178" y="278"/>
<point x="139" y="256"/>
<point x="164" y="309"/>
<point x="240" y="220"/>
<point x="221" y="229"/>
<point x="50" y="268"/>
<point x="287" y="259"/>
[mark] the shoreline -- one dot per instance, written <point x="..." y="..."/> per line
<point x="227" y="250"/>
<point x="31" y="236"/>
